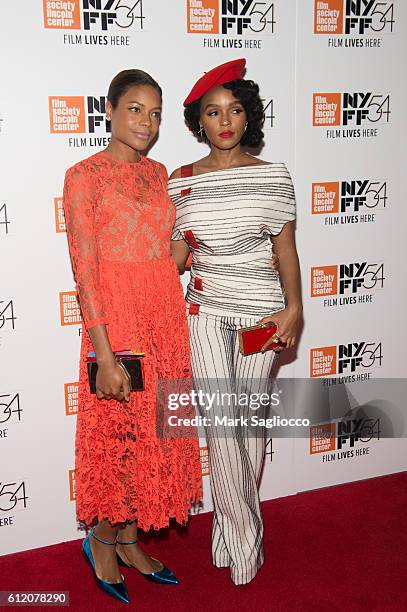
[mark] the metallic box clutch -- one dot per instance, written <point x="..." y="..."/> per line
<point x="252" y="339"/>
<point x="131" y="363"/>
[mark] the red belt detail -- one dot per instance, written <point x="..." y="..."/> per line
<point x="194" y="309"/>
<point x="190" y="238"/>
<point x="187" y="170"/>
<point x="198" y="283"/>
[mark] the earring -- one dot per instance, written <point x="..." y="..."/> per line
<point x="201" y="130"/>
<point x="245" y="127"/>
<point x="108" y="118"/>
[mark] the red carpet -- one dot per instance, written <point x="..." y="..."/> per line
<point x="338" y="549"/>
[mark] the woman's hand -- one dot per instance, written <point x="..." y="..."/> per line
<point x="112" y="381"/>
<point x="180" y="253"/>
<point x="287" y="321"/>
<point x="275" y="263"/>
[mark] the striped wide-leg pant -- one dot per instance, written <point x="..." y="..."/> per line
<point x="236" y="453"/>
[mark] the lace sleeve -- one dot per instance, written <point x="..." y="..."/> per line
<point x="79" y="214"/>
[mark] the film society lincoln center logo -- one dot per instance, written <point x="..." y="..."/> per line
<point x="60" y="224"/>
<point x="72" y="488"/>
<point x="203" y="452"/>
<point x="231" y="17"/>
<point x="348" y="202"/>
<point x="69" y="310"/>
<point x="71" y="392"/>
<point x="347" y="283"/>
<point x="365" y="20"/>
<point x="352" y="361"/>
<point x="350" y="114"/>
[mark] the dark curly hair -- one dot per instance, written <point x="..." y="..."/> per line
<point x="247" y="92"/>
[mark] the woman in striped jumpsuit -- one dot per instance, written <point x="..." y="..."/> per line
<point x="231" y="209"/>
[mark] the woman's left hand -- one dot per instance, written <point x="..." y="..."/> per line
<point x="287" y="321"/>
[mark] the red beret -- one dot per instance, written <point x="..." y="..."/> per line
<point x="217" y="76"/>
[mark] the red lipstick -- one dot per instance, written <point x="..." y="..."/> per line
<point x="227" y="134"/>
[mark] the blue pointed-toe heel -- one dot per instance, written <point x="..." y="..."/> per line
<point x="164" y="576"/>
<point x="117" y="590"/>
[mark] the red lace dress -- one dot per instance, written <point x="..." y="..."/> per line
<point x="119" y="221"/>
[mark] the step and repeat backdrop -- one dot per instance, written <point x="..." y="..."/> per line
<point x="330" y="77"/>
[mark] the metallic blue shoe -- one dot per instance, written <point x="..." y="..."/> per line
<point x="117" y="590"/>
<point x="163" y="576"/>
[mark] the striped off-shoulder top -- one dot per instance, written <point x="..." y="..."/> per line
<point x="228" y="217"/>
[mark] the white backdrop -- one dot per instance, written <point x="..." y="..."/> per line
<point x="57" y="54"/>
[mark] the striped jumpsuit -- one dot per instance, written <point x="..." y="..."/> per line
<point x="227" y="218"/>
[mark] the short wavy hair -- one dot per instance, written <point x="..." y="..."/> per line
<point x="247" y="92"/>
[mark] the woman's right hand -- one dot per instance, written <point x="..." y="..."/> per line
<point x="112" y="382"/>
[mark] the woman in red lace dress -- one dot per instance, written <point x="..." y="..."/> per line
<point x="119" y="222"/>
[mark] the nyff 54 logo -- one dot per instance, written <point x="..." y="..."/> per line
<point x="353" y="16"/>
<point x="12" y="496"/>
<point x="235" y="17"/>
<point x="93" y="14"/>
<point x="344" y="434"/>
<point x="346" y="278"/>
<point x="350" y="109"/>
<point x="348" y="196"/>
<point x="10" y="408"/>
<point x="346" y="359"/>
<point x="7" y="316"/>
<point x="4" y="220"/>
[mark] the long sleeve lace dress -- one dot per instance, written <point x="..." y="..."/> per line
<point x="119" y="221"/>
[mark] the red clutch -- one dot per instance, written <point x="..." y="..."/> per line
<point x="252" y="339"/>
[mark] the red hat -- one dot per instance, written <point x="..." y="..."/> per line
<point x="217" y="76"/>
